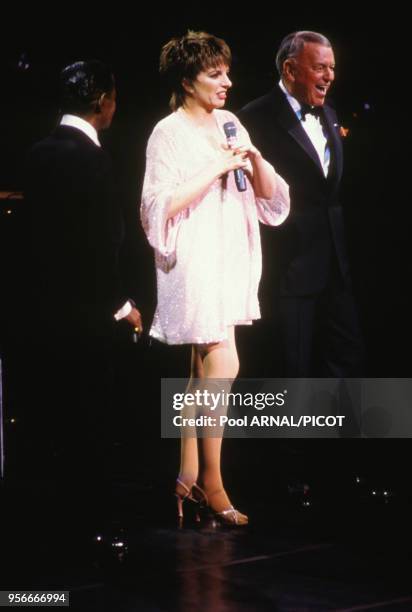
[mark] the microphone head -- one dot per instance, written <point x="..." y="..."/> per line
<point x="230" y="129"/>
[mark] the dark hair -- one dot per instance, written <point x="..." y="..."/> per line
<point x="82" y="84"/>
<point x="186" y="56"/>
<point x="293" y="43"/>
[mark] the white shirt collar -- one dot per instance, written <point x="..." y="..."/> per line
<point x="292" y="101"/>
<point x="313" y="129"/>
<point x="82" y="125"/>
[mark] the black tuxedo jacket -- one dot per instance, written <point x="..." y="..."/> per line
<point x="300" y="252"/>
<point x="76" y="230"/>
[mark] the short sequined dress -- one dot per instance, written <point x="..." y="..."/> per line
<point x="208" y="256"/>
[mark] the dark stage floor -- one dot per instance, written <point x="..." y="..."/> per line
<point x="299" y="553"/>
<point x="329" y="519"/>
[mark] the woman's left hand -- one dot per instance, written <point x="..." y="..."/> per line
<point x="250" y="151"/>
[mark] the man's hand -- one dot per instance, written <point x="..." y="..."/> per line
<point x="135" y="319"/>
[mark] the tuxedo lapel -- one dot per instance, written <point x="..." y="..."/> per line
<point x="286" y="116"/>
<point x="334" y="140"/>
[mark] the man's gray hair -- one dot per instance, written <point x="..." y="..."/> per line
<point x="293" y="44"/>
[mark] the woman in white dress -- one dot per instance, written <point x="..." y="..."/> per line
<point x="205" y="235"/>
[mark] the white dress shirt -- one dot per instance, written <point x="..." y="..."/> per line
<point x="313" y="129"/>
<point x="84" y="126"/>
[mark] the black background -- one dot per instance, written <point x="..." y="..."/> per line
<point x="369" y="95"/>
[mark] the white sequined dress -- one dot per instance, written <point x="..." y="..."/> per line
<point x="208" y="256"/>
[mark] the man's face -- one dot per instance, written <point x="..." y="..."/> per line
<point x="310" y="74"/>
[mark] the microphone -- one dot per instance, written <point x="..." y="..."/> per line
<point x="137" y="332"/>
<point x="231" y="137"/>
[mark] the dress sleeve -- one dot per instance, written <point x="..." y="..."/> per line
<point x="275" y="210"/>
<point x="271" y="211"/>
<point x="162" y="177"/>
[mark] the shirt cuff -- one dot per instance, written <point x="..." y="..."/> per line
<point x="123" y="311"/>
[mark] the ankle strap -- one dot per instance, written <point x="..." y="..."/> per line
<point x="231" y="511"/>
<point x="203" y="496"/>
<point x="184" y="486"/>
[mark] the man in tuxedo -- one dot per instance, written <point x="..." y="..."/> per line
<point x="76" y="217"/>
<point x="306" y="278"/>
<point x="78" y="299"/>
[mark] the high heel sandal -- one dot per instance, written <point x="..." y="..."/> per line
<point x="194" y="494"/>
<point x="198" y="495"/>
<point x="230" y="516"/>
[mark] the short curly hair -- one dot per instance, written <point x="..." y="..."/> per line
<point x="82" y="84"/>
<point x="184" y="57"/>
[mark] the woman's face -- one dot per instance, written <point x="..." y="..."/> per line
<point x="210" y="87"/>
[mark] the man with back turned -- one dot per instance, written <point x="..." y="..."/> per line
<point x="77" y="297"/>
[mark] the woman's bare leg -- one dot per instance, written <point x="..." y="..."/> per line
<point x="219" y="361"/>
<point x="189" y="461"/>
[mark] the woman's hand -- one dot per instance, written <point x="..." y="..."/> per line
<point x="230" y="159"/>
<point x="226" y="161"/>
<point x="249" y="152"/>
<point x="262" y="176"/>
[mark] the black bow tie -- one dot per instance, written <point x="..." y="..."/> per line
<point x="316" y="111"/>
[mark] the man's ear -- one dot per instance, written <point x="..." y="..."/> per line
<point x="99" y="104"/>
<point x="289" y="68"/>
